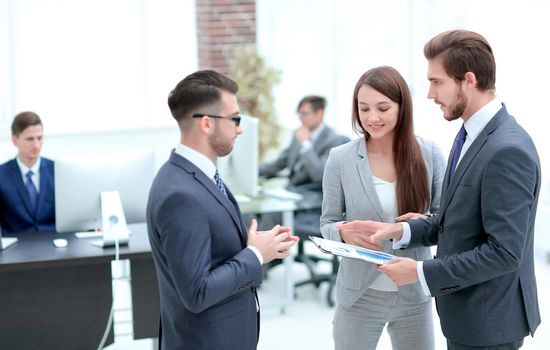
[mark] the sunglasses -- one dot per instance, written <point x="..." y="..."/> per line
<point x="236" y="119"/>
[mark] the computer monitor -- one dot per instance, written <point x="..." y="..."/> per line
<point x="81" y="180"/>
<point x="239" y="169"/>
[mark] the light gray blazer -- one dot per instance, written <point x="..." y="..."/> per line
<point x="349" y="194"/>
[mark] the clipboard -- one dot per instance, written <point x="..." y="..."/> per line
<point x="351" y="251"/>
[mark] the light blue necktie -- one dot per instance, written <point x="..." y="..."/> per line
<point x="458" y="149"/>
<point x="219" y="183"/>
<point x="33" y="194"/>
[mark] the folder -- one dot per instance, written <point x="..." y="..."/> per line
<point x="351" y="251"/>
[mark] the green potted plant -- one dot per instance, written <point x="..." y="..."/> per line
<point x="256" y="81"/>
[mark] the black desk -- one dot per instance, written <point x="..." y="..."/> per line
<point x="60" y="298"/>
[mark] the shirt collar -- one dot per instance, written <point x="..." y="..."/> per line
<point x="198" y="159"/>
<point x="479" y="119"/>
<point x="25" y="169"/>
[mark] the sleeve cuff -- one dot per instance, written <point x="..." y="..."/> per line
<point x="405" y="239"/>
<point x="422" y="278"/>
<point x="257" y="253"/>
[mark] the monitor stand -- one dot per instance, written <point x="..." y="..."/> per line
<point x="5" y="243"/>
<point x="115" y="230"/>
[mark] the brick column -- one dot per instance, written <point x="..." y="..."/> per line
<point x="223" y="25"/>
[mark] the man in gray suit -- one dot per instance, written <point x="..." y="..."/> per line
<point x="308" y="151"/>
<point x="483" y="275"/>
<point x="207" y="264"/>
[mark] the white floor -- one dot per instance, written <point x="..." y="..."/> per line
<point x="306" y="323"/>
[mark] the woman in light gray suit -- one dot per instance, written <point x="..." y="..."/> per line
<point x="384" y="174"/>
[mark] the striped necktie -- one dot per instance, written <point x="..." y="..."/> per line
<point x="219" y="183"/>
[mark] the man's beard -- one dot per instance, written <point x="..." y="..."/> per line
<point x="456" y="110"/>
<point x="220" y="145"/>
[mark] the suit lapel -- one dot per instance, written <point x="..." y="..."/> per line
<point x="450" y="185"/>
<point x="293" y="153"/>
<point x="365" y="174"/>
<point x="243" y="231"/>
<point x="21" y="189"/>
<point x="229" y="203"/>
<point x="321" y="140"/>
<point x="43" y="186"/>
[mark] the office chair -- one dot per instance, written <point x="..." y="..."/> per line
<point x="306" y="223"/>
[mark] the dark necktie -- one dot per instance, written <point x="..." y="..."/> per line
<point x="219" y="183"/>
<point x="459" y="143"/>
<point x="33" y="194"/>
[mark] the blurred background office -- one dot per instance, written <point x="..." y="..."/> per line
<point x="98" y="72"/>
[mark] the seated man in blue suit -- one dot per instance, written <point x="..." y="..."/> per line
<point x="27" y="202"/>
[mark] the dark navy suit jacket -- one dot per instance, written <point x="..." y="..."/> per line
<point x="206" y="276"/>
<point x="483" y="278"/>
<point x="16" y="215"/>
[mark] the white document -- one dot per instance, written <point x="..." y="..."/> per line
<point x="351" y="251"/>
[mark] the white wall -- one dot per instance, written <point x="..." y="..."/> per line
<point x="94" y="65"/>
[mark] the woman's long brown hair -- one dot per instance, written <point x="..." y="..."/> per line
<point x="412" y="188"/>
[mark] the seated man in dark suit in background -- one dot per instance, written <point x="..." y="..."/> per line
<point x="27" y="200"/>
<point x="308" y="151"/>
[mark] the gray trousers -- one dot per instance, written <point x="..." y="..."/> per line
<point x="359" y="327"/>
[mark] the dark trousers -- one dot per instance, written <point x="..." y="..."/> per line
<point x="506" y="346"/>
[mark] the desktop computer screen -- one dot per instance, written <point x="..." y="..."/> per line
<point x="239" y="169"/>
<point x="80" y="180"/>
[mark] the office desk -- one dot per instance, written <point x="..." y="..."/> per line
<point x="60" y="298"/>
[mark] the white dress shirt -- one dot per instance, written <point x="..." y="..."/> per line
<point x="35" y="173"/>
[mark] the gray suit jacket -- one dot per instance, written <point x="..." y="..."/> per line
<point x="206" y="278"/>
<point x="312" y="161"/>
<point x="483" y="277"/>
<point x="349" y="194"/>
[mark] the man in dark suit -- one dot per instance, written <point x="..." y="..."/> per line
<point x="307" y="154"/>
<point x="483" y="275"/>
<point x="27" y="200"/>
<point x="208" y="266"/>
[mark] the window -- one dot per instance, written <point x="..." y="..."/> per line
<point x="94" y="65"/>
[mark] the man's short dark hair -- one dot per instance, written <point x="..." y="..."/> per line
<point x="317" y="103"/>
<point x="463" y="51"/>
<point x="199" y="93"/>
<point x="22" y="121"/>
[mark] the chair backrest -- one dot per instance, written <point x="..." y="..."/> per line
<point x="307" y="223"/>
